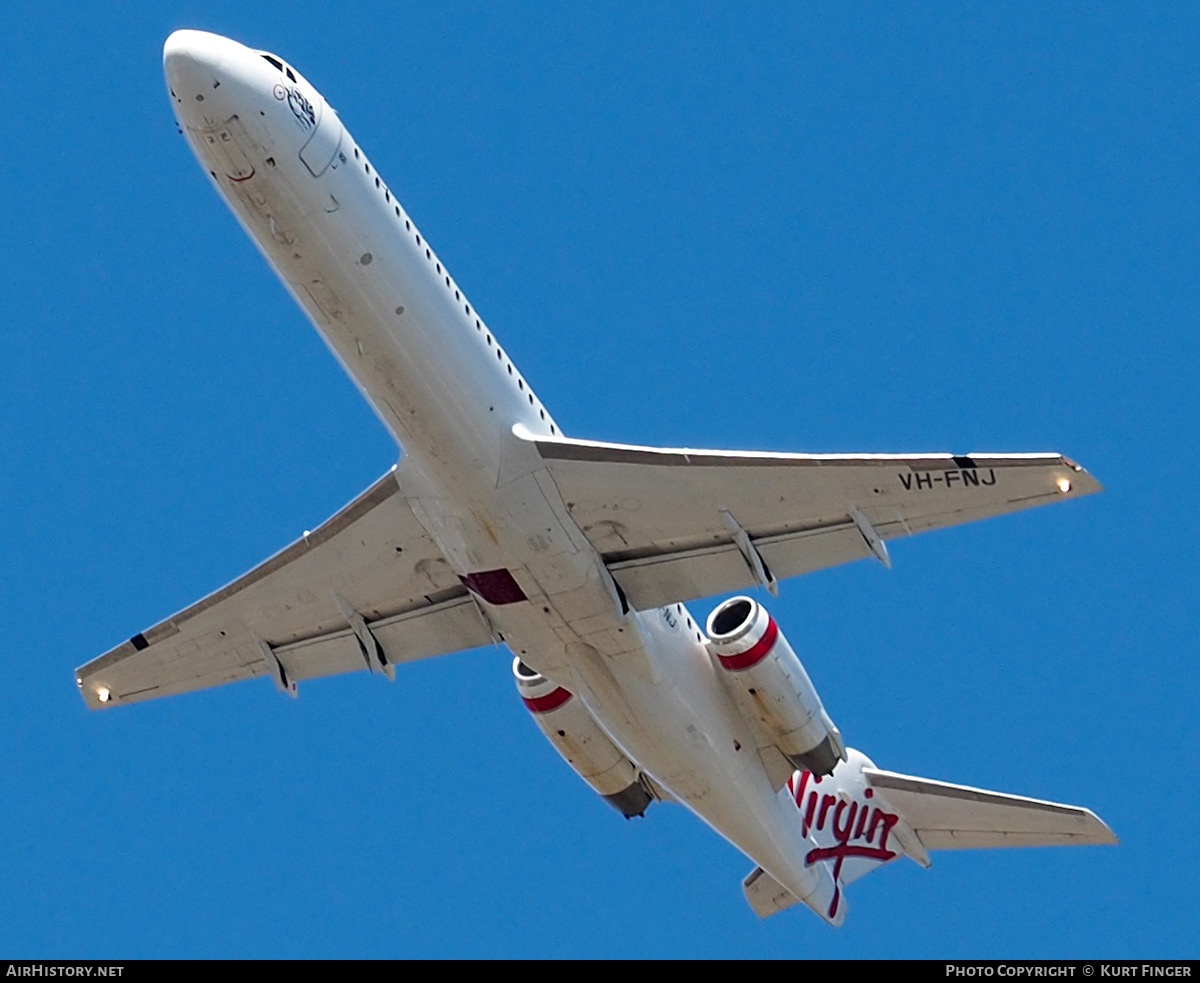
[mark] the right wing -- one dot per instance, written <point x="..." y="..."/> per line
<point x="366" y="589"/>
<point x="673" y="524"/>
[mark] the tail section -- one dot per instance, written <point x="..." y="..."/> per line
<point x="860" y="817"/>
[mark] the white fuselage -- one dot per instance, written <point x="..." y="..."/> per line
<point x="436" y="375"/>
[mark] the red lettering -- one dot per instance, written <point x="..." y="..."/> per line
<point x="837" y="896"/>
<point x="799" y="787"/>
<point x="885" y="819"/>
<point x="842" y="851"/>
<point x="842" y="834"/>
<point x="852" y="820"/>
<point x="826" y="802"/>
<point x="862" y="819"/>
<point x="838" y="855"/>
<point x="889" y="820"/>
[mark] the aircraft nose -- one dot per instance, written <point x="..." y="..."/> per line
<point x="194" y="60"/>
<point x="186" y="51"/>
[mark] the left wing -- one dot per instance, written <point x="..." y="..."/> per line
<point x="365" y="589"/>
<point x="677" y="524"/>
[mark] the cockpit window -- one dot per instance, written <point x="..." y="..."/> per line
<point x="279" y="65"/>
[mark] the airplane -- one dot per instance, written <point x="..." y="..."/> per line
<point x="495" y="527"/>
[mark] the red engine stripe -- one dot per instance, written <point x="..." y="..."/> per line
<point x="744" y="660"/>
<point x="544" y="704"/>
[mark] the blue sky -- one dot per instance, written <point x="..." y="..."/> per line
<point x="789" y="227"/>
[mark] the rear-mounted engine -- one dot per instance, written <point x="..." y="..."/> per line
<point x="573" y="731"/>
<point x="771" y="685"/>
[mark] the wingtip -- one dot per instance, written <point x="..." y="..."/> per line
<point x="95" y="695"/>
<point x="1072" y="479"/>
<point x="1080" y="480"/>
<point x="1102" y="833"/>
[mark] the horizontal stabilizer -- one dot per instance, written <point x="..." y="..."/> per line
<point x="947" y="817"/>
<point x="765" y="894"/>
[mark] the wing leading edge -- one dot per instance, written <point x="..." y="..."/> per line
<point x="365" y="589"/>
<point x="673" y="524"/>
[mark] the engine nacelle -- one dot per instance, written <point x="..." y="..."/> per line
<point x="772" y="686"/>
<point x="573" y="731"/>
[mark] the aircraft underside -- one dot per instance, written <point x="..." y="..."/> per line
<point x="576" y="554"/>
